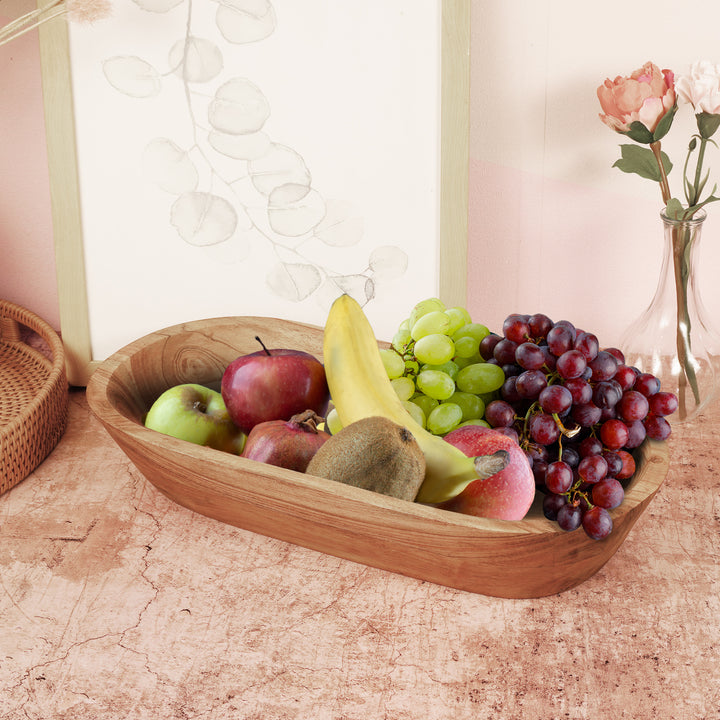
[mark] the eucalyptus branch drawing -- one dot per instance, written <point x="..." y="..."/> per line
<point x="233" y="180"/>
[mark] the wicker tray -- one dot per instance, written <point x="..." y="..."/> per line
<point x="33" y="394"/>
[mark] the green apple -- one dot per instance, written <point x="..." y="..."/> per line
<point x="197" y="414"/>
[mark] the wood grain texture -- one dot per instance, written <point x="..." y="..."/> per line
<point x="455" y="151"/>
<point x="65" y="200"/>
<point x="526" y="559"/>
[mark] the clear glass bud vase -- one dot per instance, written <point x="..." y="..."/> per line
<point x="673" y="339"/>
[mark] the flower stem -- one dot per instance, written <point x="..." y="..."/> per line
<point x="681" y="239"/>
<point x="698" y="170"/>
<point x="664" y="185"/>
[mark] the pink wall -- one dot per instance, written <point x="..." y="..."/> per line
<point x="27" y="261"/>
<point x="585" y="246"/>
<point x="568" y="250"/>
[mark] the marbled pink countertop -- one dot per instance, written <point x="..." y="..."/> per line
<point x="117" y="603"/>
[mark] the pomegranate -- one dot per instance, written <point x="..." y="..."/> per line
<point x="286" y="443"/>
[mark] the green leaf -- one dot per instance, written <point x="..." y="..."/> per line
<point x="639" y="133"/>
<point x="664" y="125"/>
<point x="711" y="198"/>
<point x="674" y="209"/>
<point x="641" y="161"/>
<point x="707" y="124"/>
<point x="702" y="183"/>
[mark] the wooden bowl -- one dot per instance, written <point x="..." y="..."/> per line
<point x="526" y="559"/>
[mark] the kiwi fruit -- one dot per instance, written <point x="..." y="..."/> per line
<point x="374" y="453"/>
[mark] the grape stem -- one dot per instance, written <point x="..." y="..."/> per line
<point x="571" y="433"/>
<point x="528" y="415"/>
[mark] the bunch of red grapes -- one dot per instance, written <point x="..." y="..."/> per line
<point x="578" y="411"/>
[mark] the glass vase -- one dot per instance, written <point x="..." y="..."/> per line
<point x="674" y="339"/>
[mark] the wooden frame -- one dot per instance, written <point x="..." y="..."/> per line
<point x="66" y="203"/>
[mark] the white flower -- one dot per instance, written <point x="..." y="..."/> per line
<point x="701" y="87"/>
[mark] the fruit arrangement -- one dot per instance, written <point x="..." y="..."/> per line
<point x="576" y="409"/>
<point x="450" y="414"/>
<point x="270" y="408"/>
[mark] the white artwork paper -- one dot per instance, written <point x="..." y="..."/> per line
<point x="257" y="157"/>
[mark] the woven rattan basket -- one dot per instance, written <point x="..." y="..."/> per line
<point x="33" y="393"/>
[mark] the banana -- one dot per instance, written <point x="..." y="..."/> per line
<point x="360" y="388"/>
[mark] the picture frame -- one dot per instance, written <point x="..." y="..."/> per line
<point x="69" y="204"/>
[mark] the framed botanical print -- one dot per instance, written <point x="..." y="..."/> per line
<point x="255" y="157"/>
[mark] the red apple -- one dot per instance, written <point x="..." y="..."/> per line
<point x="507" y="495"/>
<point x="289" y="444"/>
<point x="273" y="385"/>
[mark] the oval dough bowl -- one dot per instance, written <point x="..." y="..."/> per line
<point x="526" y="559"/>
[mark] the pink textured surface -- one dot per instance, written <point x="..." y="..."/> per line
<point x="117" y="603"/>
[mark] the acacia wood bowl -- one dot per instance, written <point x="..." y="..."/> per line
<point x="526" y="559"/>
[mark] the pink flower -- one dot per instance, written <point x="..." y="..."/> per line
<point x="701" y="88"/>
<point x="645" y="97"/>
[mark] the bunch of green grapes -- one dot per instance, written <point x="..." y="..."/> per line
<point x="436" y="369"/>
